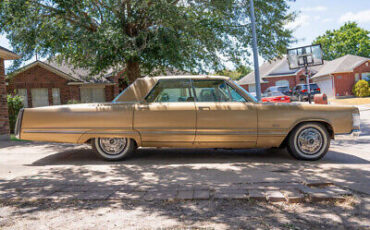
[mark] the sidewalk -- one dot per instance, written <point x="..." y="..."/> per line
<point x="292" y="192"/>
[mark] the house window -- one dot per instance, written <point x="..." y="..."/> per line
<point x="252" y="88"/>
<point x="40" y="97"/>
<point x="357" y="77"/>
<point x="92" y="94"/>
<point x="23" y="94"/>
<point x="282" y="83"/>
<point x="56" y="96"/>
<point x="365" y="76"/>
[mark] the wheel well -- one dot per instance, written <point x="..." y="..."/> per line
<point x="328" y="127"/>
<point x="89" y="141"/>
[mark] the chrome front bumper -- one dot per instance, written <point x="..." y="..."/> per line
<point x="18" y="124"/>
<point x="353" y="135"/>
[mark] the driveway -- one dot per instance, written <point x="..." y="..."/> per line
<point x="31" y="170"/>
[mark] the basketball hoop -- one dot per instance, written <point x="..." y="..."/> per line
<point x="304" y="57"/>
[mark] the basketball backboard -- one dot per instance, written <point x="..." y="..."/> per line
<point x="305" y="56"/>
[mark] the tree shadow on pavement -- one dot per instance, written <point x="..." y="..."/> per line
<point x="228" y="213"/>
<point x="166" y="169"/>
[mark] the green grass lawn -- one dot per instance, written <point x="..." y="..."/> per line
<point x="351" y="101"/>
<point x="13" y="138"/>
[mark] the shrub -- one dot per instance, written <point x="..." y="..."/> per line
<point x="73" y="101"/>
<point x="361" y="89"/>
<point x="14" y="105"/>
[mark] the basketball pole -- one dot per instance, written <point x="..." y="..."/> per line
<point x="308" y="83"/>
<point x="255" y="53"/>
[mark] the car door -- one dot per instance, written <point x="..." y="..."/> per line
<point x="167" y="117"/>
<point x="225" y="119"/>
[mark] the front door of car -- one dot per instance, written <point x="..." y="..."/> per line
<point x="167" y="117"/>
<point x="224" y="118"/>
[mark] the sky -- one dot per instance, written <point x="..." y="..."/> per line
<point x="314" y="18"/>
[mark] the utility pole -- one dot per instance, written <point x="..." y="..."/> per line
<point x="255" y="52"/>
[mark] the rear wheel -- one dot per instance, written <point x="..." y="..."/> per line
<point x="113" y="149"/>
<point x="309" y="141"/>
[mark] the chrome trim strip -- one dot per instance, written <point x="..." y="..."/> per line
<point x="77" y="132"/>
<point x="199" y="132"/>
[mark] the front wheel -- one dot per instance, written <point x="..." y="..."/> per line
<point x="113" y="149"/>
<point x="309" y="141"/>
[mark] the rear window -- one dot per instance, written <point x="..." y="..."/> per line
<point x="283" y="89"/>
<point x="312" y="86"/>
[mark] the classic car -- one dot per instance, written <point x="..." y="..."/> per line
<point x="189" y="112"/>
<point x="300" y="91"/>
<point x="275" y="94"/>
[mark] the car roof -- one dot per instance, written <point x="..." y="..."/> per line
<point x="191" y="77"/>
<point x="310" y="84"/>
<point x="141" y="86"/>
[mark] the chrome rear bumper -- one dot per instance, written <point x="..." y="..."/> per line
<point x="353" y="135"/>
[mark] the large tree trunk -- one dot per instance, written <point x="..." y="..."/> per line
<point x="133" y="71"/>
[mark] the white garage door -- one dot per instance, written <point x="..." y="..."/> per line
<point x="282" y="83"/>
<point x="326" y="86"/>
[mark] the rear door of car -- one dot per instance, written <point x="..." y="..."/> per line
<point x="225" y="119"/>
<point x="167" y="117"/>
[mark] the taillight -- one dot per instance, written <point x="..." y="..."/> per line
<point x="318" y="89"/>
<point x="304" y="91"/>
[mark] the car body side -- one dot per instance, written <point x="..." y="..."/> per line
<point x="254" y="125"/>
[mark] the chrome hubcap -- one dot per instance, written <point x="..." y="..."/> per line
<point x="113" y="146"/>
<point x="310" y="141"/>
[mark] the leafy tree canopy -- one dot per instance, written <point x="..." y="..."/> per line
<point x="348" y="39"/>
<point x="236" y="74"/>
<point x="188" y="35"/>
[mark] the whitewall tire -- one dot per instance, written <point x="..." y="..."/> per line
<point x="113" y="149"/>
<point x="309" y="141"/>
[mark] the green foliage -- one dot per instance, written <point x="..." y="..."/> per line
<point x="73" y="101"/>
<point x="14" y="105"/>
<point x="188" y="35"/>
<point x="236" y="74"/>
<point x="361" y="89"/>
<point x="348" y="39"/>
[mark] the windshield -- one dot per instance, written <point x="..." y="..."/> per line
<point x="241" y="88"/>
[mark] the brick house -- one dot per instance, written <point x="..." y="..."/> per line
<point x="43" y="83"/>
<point x="5" y="54"/>
<point x="275" y="73"/>
<point x="335" y="78"/>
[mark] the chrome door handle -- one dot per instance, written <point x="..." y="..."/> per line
<point x="204" y="108"/>
<point x="143" y="107"/>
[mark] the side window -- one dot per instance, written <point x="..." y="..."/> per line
<point x="235" y="96"/>
<point x="211" y="91"/>
<point x="171" y="90"/>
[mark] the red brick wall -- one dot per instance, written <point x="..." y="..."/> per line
<point x="38" y="77"/>
<point x="344" y="81"/>
<point x="272" y="81"/>
<point x="245" y="87"/>
<point x="4" y="119"/>
<point x="364" y="68"/>
<point x="110" y="92"/>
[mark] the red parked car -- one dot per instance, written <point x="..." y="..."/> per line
<point x="276" y="94"/>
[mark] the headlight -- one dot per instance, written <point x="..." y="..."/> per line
<point x="356" y="120"/>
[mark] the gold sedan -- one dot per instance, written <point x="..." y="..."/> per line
<point x="189" y="112"/>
